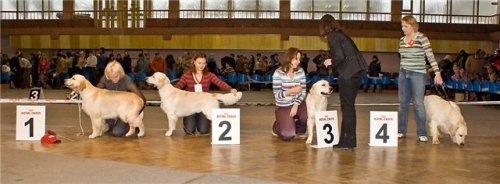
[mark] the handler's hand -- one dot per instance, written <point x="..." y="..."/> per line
<point x="327" y="62"/>
<point x="293" y="111"/>
<point x="233" y="91"/>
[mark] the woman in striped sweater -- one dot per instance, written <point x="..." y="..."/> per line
<point x="414" y="47"/>
<point x="289" y="88"/>
<point x="198" y="79"/>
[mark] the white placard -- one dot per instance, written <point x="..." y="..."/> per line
<point x="30" y="122"/>
<point x="327" y="130"/>
<point x="225" y="126"/>
<point x="383" y="128"/>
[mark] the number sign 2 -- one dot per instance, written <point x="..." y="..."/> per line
<point x="225" y="126"/>
<point x="30" y="122"/>
<point x="383" y="128"/>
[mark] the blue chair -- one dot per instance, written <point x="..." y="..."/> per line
<point x="315" y="78"/>
<point x="365" y="80"/>
<point x="493" y="88"/>
<point x="475" y="86"/>
<point x="256" y="77"/>
<point x="141" y="77"/>
<point x="498" y="87"/>
<point x="65" y="76"/>
<point x="132" y="76"/>
<point x="232" y="78"/>
<point x="268" y="77"/>
<point x="468" y="86"/>
<point x="485" y="86"/>
<point x="330" y="79"/>
<point x="386" y="80"/>
<point x="242" y="78"/>
<point x="171" y="76"/>
<point x="5" y="77"/>
<point x="221" y="77"/>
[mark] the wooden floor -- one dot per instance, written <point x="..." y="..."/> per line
<point x="265" y="157"/>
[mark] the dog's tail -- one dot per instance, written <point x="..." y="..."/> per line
<point x="229" y="98"/>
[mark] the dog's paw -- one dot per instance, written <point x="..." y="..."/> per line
<point x="435" y="141"/>
<point x="140" y="134"/>
<point x="92" y="136"/>
<point x="169" y="133"/>
<point x="309" y="140"/>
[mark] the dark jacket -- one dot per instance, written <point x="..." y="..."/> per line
<point x="346" y="58"/>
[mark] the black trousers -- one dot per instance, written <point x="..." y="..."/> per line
<point x="196" y="122"/>
<point x="348" y="90"/>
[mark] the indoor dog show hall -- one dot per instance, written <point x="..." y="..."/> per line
<point x="215" y="91"/>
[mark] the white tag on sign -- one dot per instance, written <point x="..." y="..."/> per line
<point x="30" y="122"/>
<point x="36" y="93"/>
<point x="327" y="130"/>
<point x="225" y="126"/>
<point x="198" y="88"/>
<point x="383" y="128"/>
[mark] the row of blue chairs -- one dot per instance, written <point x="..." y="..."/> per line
<point x="472" y="86"/>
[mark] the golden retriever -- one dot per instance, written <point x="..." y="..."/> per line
<point x="102" y="104"/>
<point x="444" y="116"/>
<point x="179" y="103"/>
<point x="316" y="101"/>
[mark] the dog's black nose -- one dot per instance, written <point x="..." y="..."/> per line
<point x="462" y="144"/>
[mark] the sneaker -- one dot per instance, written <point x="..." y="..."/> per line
<point x="302" y="136"/>
<point x="401" y="135"/>
<point x="423" y="138"/>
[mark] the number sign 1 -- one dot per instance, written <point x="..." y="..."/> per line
<point x="30" y="122"/>
<point x="225" y="126"/>
<point x="326" y="129"/>
<point x="383" y="128"/>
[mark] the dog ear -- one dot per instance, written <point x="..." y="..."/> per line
<point x="453" y="129"/>
<point x="161" y="81"/>
<point x="313" y="89"/>
<point x="82" y="85"/>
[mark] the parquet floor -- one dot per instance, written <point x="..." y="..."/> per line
<point x="265" y="157"/>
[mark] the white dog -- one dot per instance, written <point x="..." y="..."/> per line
<point x="446" y="117"/>
<point x="102" y="104"/>
<point x="179" y="103"/>
<point x="316" y="101"/>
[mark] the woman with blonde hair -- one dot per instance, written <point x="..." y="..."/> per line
<point x="414" y="48"/>
<point x="115" y="79"/>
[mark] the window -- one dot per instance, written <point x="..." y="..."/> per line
<point x="244" y="9"/>
<point x="486" y="8"/>
<point x="307" y="9"/>
<point x="380" y="10"/>
<point x="354" y="10"/>
<point x="190" y="8"/>
<point x="269" y="9"/>
<point x="216" y="9"/>
<point x="160" y="8"/>
<point x="462" y="11"/>
<point x="40" y="9"/>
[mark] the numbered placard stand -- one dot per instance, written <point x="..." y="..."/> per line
<point x="36" y="93"/>
<point x="383" y="128"/>
<point x="30" y="122"/>
<point x="326" y="132"/>
<point x="225" y="126"/>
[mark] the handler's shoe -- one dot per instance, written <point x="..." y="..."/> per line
<point x="423" y="138"/>
<point x="401" y="135"/>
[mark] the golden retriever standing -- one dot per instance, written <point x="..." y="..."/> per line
<point x="102" y="104"/>
<point x="179" y="103"/>
<point x="446" y="117"/>
<point x="316" y="101"/>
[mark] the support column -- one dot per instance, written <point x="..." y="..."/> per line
<point x="396" y="10"/>
<point x="174" y="9"/>
<point x="68" y="9"/>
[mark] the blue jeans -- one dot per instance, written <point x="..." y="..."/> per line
<point x="411" y="85"/>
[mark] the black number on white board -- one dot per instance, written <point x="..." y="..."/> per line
<point x="329" y="132"/>
<point x="223" y="135"/>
